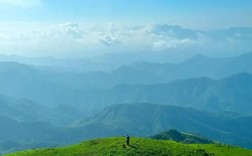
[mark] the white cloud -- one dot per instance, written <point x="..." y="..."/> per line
<point x="71" y="28"/>
<point x="21" y="3"/>
<point x="173" y="43"/>
<point x="158" y="37"/>
<point x="4" y="37"/>
<point x="174" y="31"/>
<point x="109" y="40"/>
<point x="161" y="45"/>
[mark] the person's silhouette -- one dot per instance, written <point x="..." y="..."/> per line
<point x="127" y="139"/>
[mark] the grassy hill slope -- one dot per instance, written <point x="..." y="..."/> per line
<point x="182" y="137"/>
<point x="138" y="146"/>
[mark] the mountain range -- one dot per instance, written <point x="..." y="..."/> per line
<point x="44" y="107"/>
<point x="229" y="94"/>
<point x="210" y="79"/>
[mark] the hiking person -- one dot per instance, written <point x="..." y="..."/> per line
<point x="127" y="140"/>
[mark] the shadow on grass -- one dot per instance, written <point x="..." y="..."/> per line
<point x="132" y="146"/>
<point x="129" y="146"/>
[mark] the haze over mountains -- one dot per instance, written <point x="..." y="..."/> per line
<point x="47" y="106"/>
<point x="78" y="71"/>
<point x="68" y="88"/>
<point x="229" y="94"/>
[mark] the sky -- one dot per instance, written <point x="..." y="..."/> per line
<point x="83" y="28"/>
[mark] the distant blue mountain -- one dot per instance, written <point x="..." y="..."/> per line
<point x="229" y="94"/>
<point x="199" y="66"/>
<point x="141" y="82"/>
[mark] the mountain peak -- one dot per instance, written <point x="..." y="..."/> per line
<point x="175" y="135"/>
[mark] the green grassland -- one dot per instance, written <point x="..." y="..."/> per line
<point x="138" y="146"/>
<point x="182" y="137"/>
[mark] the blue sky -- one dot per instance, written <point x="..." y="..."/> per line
<point x="94" y="27"/>
<point x="195" y="13"/>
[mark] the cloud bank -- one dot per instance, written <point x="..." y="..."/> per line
<point x="74" y="39"/>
